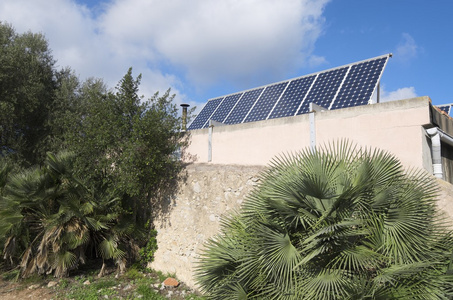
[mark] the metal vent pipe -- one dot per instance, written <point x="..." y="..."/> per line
<point x="184" y="116"/>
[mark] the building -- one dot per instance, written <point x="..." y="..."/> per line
<point x="235" y="137"/>
<point x="414" y="130"/>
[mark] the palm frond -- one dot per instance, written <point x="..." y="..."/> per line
<point x="325" y="284"/>
<point x="62" y="261"/>
<point x="109" y="248"/>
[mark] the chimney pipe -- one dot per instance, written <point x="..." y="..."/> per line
<point x="184" y="115"/>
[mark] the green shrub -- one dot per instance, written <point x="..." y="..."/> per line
<point x="147" y="252"/>
<point x="133" y="274"/>
<point x="336" y="223"/>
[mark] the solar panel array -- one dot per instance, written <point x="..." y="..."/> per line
<point x="445" y="108"/>
<point x="345" y="86"/>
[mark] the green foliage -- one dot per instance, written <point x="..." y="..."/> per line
<point x="11" y="275"/>
<point x="96" y="290"/>
<point x="116" y="161"/>
<point x="55" y="212"/>
<point x="133" y="274"/>
<point x="26" y="95"/>
<point x="88" y="286"/>
<point x="64" y="283"/>
<point x="50" y="219"/>
<point x="148" y="293"/>
<point x="123" y="142"/>
<point x="338" y="223"/>
<point x="147" y="252"/>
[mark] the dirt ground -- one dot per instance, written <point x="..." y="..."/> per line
<point x="11" y="290"/>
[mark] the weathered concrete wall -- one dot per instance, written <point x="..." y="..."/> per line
<point x="193" y="214"/>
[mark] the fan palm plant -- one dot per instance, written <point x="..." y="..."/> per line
<point x="49" y="218"/>
<point x="338" y="223"/>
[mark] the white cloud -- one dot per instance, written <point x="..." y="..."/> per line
<point x="76" y="40"/>
<point x="174" y="41"/>
<point x="219" y="40"/>
<point x="399" y="94"/>
<point x="315" y="60"/>
<point x="407" y="49"/>
<point x="67" y="26"/>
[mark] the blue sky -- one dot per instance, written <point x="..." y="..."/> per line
<point x="204" y="49"/>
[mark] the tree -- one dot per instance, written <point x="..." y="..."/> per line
<point x="125" y="143"/>
<point x="338" y="223"/>
<point x="67" y="107"/>
<point x="123" y="148"/>
<point x="26" y="95"/>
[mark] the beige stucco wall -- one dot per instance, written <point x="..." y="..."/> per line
<point x="393" y="126"/>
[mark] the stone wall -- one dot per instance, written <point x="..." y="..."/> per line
<point x="192" y="215"/>
<point x="207" y="193"/>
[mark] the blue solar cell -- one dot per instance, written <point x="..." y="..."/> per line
<point x="243" y="106"/>
<point x="445" y="108"/>
<point x="359" y="84"/>
<point x="201" y="121"/>
<point x="225" y="107"/>
<point x="324" y="89"/>
<point x="266" y="102"/>
<point x="293" y="96"/>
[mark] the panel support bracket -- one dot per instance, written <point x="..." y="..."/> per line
<point x="313" y="108"/>
<point x="212" y="123"/>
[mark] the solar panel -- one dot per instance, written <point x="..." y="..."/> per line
<point x="291" y="99"/>
<point x="445" y="108"/>
<point x="239" y="112"/>
<point x="359" y="84"/>
<point x="324" y="89"/>
<point x="204" y="116"/>
<point x="225" y="107"/>
<point x="345" y="86"/>
<point x="266" y="102"/>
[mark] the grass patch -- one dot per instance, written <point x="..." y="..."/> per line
<point x="33" y="279"/>
<point x="11" y="275"/>
<point x="95" y="290"/>
<point x="148" y="293"/>
<point x="134" y="274"/>
<point x="134" y="284"/>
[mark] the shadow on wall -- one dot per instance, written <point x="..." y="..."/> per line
<point x="164" y="196"/>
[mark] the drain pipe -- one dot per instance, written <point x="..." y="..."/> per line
<point x="437" y="136"/>
<point x="437" y="157"/>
